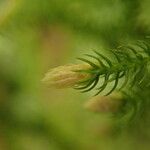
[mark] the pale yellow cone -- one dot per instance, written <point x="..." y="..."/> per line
<point x="66" y="76"/>
<point x="105" y="104"/>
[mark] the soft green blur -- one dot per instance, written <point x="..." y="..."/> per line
<point x="36" y="35"/>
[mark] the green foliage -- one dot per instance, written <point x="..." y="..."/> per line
<point x="131" y="64"/>
<point x="127" y="71"/>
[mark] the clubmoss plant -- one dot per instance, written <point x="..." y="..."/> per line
<point x="125" y="71"/>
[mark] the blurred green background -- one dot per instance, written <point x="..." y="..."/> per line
<point x="37" y="35"/>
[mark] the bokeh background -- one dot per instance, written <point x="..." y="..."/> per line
<point x="36" y="35"/>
